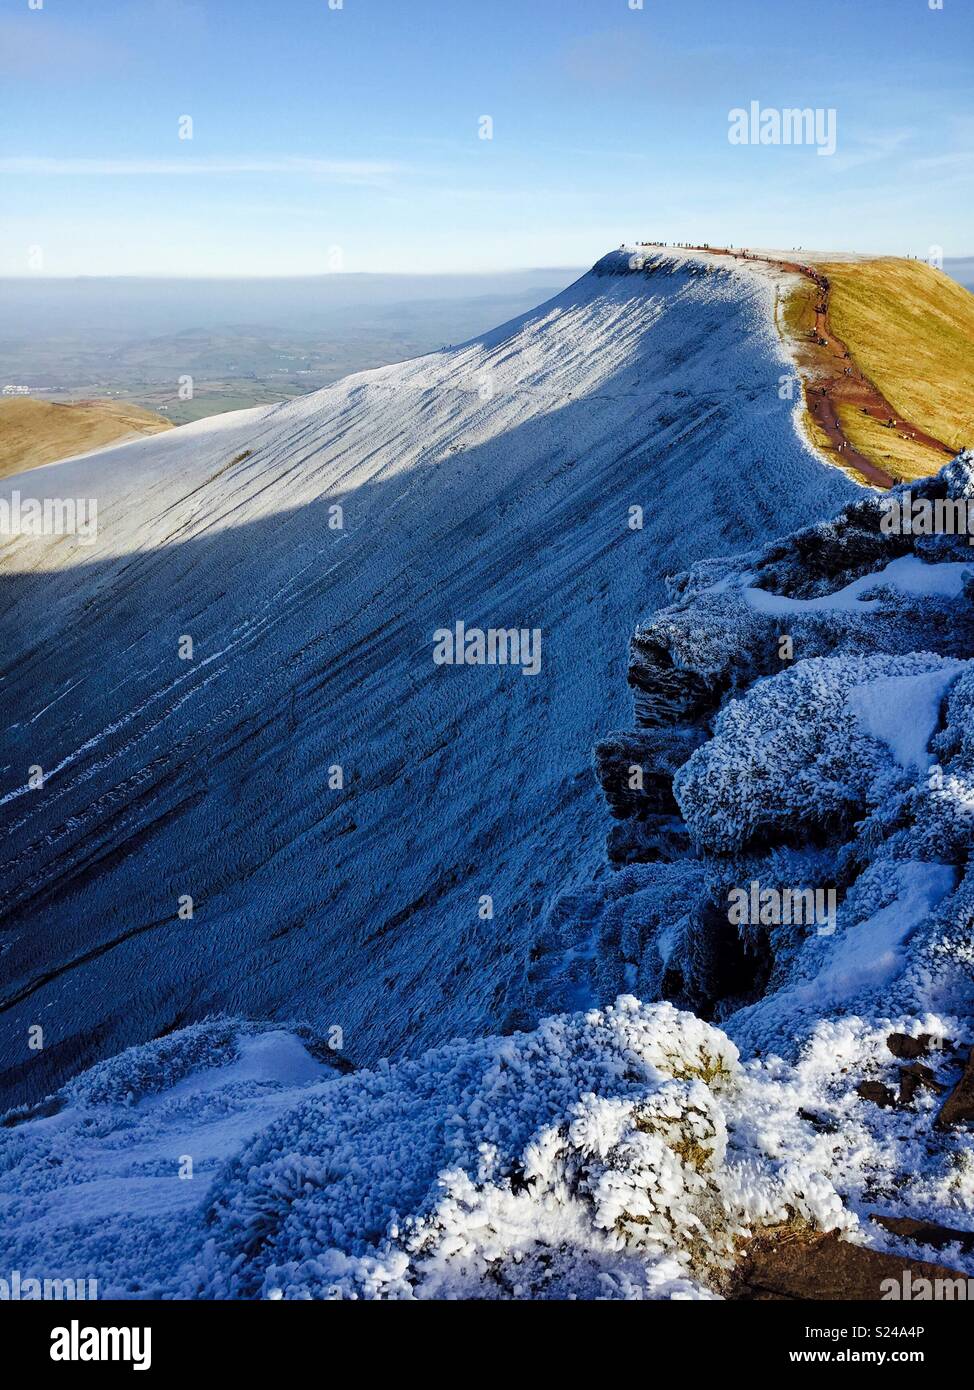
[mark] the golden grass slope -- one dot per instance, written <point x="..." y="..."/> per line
<point x="33" y="432"/>
<point x="910" y="329"/>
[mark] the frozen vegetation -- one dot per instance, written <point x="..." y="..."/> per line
<point x="660" y="1082"/>
<point x="618" y="1153"/>
<point x="628" y="1149"/>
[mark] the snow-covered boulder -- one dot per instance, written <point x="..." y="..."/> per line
<point x="803" y="720"/>
<point x="624" y="1152"/>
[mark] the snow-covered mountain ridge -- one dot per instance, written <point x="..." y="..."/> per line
<point x="309" y="552"/>
<point x="646" y="1082"/>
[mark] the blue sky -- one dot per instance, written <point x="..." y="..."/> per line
<point x="348" y="137"/>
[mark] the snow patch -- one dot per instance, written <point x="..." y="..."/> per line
<point x="903" y="711"/>
<point x="907" y="574"/>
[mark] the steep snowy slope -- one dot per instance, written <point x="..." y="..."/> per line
<point x="489" y="484"/>
<point x="632" y="1150"/>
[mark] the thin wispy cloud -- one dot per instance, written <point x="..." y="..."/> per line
<point x="287" y="164"/>
<point x="959" y="160"/>
<point x="872" y="149"/>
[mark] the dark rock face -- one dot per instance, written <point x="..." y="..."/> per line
<point x="636" y="769"/>
<point x="667" y="694"/>
<point x="958" y="1108"/>
<point x="809" y="1265"/>
<point x="647" y="841"/>
<point x="876" y="1093"/>
<point x="901" y="1045"/>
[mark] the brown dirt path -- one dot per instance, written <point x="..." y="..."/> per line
<point x="802" y="1264"/>
<point x="835" y="379"/>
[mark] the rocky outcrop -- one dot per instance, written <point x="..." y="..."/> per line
<point x="636" y="769"/>
<point x="801" y="725"/>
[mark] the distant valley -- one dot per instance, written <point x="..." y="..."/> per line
<point x="242" y="342"/>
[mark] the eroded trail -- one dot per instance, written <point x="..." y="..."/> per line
<point x="836" y="379"/>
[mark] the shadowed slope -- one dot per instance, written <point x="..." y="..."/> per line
<point x="489" y="484"/>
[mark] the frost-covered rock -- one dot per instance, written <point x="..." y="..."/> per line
<point x="623" y="1152"/>
<point x="804" y="717"/>
<point x="810" y="750"/>
<point x="841" y="585"/>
